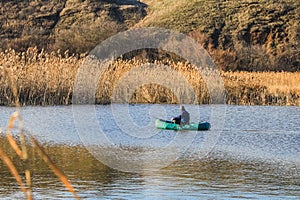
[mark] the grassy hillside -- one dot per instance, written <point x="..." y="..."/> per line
<point x="230" y="22"/>
<point x="253" y="35"/>
<point x="240" y="35"/>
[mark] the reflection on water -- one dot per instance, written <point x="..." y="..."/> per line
<point x="206" y="178"/>
<point x="257" y="156"/>
<point x="212" y="177"/>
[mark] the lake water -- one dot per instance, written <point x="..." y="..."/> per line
<point x="115" y="152"/>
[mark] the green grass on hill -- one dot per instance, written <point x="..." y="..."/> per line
<point x="253" y="35"/>
<point x="230" y="22"/>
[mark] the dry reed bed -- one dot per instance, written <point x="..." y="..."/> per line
<point x="262" y="88"/>
<point x="41" y="78"/>
<point x="48" y="79"/>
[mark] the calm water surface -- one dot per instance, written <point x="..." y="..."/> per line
<point x="253" y="154"/>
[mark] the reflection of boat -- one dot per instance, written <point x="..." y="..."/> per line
<point x="163" y="124"/>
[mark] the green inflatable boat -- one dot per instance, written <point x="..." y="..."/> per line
<point x="168" y="125"/>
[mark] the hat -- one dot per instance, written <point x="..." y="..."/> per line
<point x="182" y="107"/>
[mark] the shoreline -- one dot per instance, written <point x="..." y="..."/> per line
<point x="48" y="79"/>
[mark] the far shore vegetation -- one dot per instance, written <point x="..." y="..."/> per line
<point x="47" y="78"/>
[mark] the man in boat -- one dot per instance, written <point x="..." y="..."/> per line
<point x="182" y="119"/>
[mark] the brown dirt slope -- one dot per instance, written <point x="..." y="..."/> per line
<point x="67" y="24"/>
